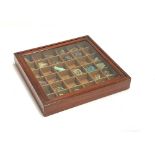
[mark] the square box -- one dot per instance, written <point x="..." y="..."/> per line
<point x="70" y="73"/>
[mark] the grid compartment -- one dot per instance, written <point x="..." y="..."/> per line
<point x="60" y="67"/>
<point x="47" y="70"/>
<point x="32" y="65"/>
<point x="66" y="74"/>
<point x="72" y="64"/>
<point x="84" y="60"/>
<point x="69" y="68"/>
<point x="76" y="52"/>
<point x="67" y="57"/>
<point x="59" y="88"/>
<point x="52" y="78"/>
<point x="98" y="76"/>
<point x="61" y="50"/>
<point x="38" y="56"/>
<point x="85" y="79"/>
<point x="37" y="73"/>
<point x="78" y="71"/>
<point x="49" y="53"/>
<point x="95" y="58"/>
<point x="54" y="60"/>
<point x="71" y="83"/>
<point x="28" y="58"/>
<point x="48" y="90"/>
<point x="76" y="88"/>
<point x="42" y="63"/>
<point x="42" y="81"/>
<point x="90" y="68"/>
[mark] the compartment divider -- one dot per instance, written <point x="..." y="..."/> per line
<point x="48" y="61"/>
<point x="78" y="80"/>
<point x="43" y="80"/>
<point x="73" y="76"/>
<point x="65" y="84"/>
<point x="72" y="55"/>
<point x="82" y="66"/>
<point x="34" y="55"/>
<point x="42" y="73"/>
<point x="35" y="65"/>
<point x="66" y="65"/>
<point x="60" y="56"/>
<point x="88" y="56"/>
<point x="57" y="73"/>
<point x="46" y="79"/>
<point x="27" y="59"/>
<point x="90" y="77"/>
<point x="53" y="90"/>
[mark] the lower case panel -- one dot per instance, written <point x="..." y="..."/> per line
<point x="84" y="98"/>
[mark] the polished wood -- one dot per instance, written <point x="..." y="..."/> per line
<point x="72" y="99"/>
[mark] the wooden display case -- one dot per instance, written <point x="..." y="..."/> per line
<point x="70" y="73"/>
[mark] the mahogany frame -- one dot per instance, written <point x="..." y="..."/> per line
<point x="60" y="103"/>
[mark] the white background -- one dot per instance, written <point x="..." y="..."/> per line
<point x="123" y="123"/>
